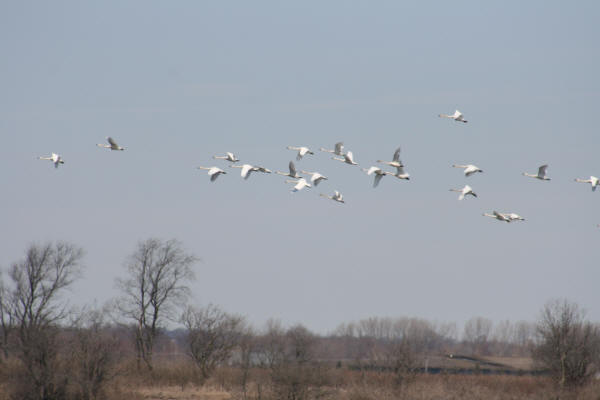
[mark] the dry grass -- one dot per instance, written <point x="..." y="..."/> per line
<point x="176" y="393"/>
<point x="178" y="380"/>
<point x="375" y="387"/>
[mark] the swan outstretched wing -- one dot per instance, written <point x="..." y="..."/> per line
<point x="542" y="170"/>
<point x="246" y="169"/>
<point x="214" y="173"/>
<point x="371" y="170"/>
<point x="349" y="158"/>
<point x="112" y="142"/>
<point x="396" y="155"/>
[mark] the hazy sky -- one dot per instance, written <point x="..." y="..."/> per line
<point x="177" y="82"/>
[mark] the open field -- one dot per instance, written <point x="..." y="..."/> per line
<point x="177" y="393"/>
<point x="423" y="387"/>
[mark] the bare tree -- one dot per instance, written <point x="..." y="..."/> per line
<point x="502" y="337"/>
<point x="94" y="354"/>
<point x="32" y="307"/>
<point x="477" y="331"/>
<point x="247" y="346"/>
<point x="568" y="345"/>
<point x="294" y="373"/>
<point x="212" y="336"/>
<point x="271" y="344"/>
<point x="523" y="335"/>
<point x="6" y="319"/>
<point x="155" y="288"/>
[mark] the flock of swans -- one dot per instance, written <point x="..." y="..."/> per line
<point x="300" y="182"/>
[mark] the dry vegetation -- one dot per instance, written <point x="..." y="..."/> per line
<point x="176" y="383"/>
<point x="51" y="353"/>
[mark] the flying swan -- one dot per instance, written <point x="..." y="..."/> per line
<point x="112" y="145"/>
<point x="457" y="116"/>
<point x="55" y="158"/>
<point x="213" y="172"/>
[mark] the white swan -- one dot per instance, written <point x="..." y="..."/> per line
<point x="506" y="217"/>
<point x="337" y="196"/>
<point x="498" y="216"/>
<point x="300" y="184"/>
<point x="379" y="173"/>
<point x="302" y="151"/>
<point x="228" y="156"/>
<point x="338" y="149"/>
<point x="541" y="175"/>
<point x="55" y="158"/>
<point x="213" y="172"/>
<point x="348" y="158"/>
<point x="470" y="169"/>
<point x="400" y="174"/>
<point x="395" y="160"/>
<point x="593" y="180"/>
<point x="111" y="144"/>
<point x="247" y="169"/>
<point x="315" y="177"/>
<point x="292" y="173"/>
<point x="515" y="217"/>
<point x="457" y="116"/>
<point x="467" y="190"/>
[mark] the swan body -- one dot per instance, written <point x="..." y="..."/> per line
<point x="55" y="158"/>
<point x="457" y="116"/>
<point x="302" y="151"/>
<point x="465" y="191"/>
<point x="263" y="170"/>
<point x="315" y="177"/>
<point x="515" y="217"/>
<point x="396" y="163"/>
<point x="247" y="169"/>
<point x="213" y="172"/>
<point x="541" y="174"/>
<point x="337" y="196"/>
<point x="112" y="145"/>
<point x="292" y="173"/>
<point x="228" y="156"/>
<point x="470" y="169"/>
<point x="506" y="217"/>
<point x="348" y="158"/>
<point x="300" y="184"/>
<point x="498" y="216"/>
<point x="338" y="150"/>
<point x="400" y="174"/>
<point x="593" y="181"/>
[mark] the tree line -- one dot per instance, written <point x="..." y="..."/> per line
<point x="52" y="351"/>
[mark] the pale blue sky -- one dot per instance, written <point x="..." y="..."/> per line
<point x="176" y="82"/>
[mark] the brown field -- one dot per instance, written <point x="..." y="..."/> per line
<point x="425" y="388"/>
<point x="175" y="382"/>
